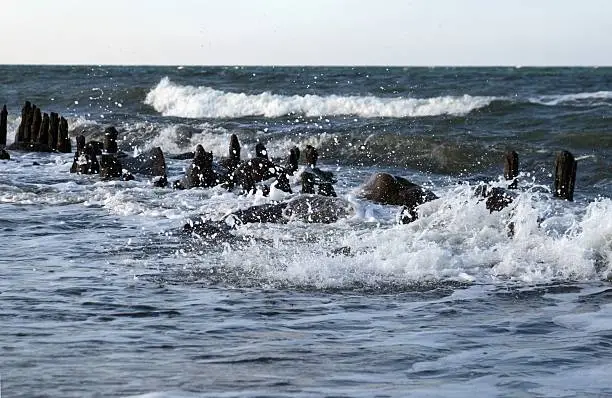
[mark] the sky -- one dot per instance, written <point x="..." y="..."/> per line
<point x="307" y="32"/>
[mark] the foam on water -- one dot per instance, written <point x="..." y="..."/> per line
<point x="171" y="99"/>
<point x="455" y="239"/>
<point x="170" y="140"/>
<point x="576" y="98"/>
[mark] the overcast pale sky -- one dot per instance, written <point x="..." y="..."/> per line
<point x="307" y="32"/>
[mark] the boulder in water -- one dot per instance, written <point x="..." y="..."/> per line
<point x="388" y="189"/>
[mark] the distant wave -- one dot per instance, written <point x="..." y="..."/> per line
<point x="172" y="99"/>
<point x="586" y="98"/>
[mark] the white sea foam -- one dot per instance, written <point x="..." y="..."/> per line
<point x="456" y="238"/>
<point x="553" y="100"/>
<point x="170" y="140"/>
<point x="171" y="99"/>
<point x="80" y="122"/>
<point x="216" y="139"/>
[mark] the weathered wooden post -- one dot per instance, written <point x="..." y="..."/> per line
<point x="511" y="168"/>
<point x="110" y="140"/>
<point x="63" y="143"/>
<point x="36" y="123"/>
<point x="27" y="128"/>
<point x="80" y="141"/>
<point x="565" y="175"/>
<point x="234" y="153"/>
<point x="53" y="130"/>
<point x="25" y="111"/>
<point x="43" y="135"/>
<point x="3" y="125"/>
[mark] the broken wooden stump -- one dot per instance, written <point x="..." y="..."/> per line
<point x="36" y="124"/>
<point x="63" y="141"/>
<point x="110" y="140"/>
<point x="3" y="125"/>
<point x="565" y="175"/>
<point x="25" y="111"/>
<point x="511" y="168"/>
<point x="43" y="135"/>
<point x="53" y="130"/>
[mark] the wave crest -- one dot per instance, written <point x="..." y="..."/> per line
<point x="575" y="99"/>
<point x="172" y="99"/>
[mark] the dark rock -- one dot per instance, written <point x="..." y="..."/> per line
<point x="253" y="171"/>
<point x="497" y="198"/>
<point x="266" y="213"/>
<point x="217" y="231"/>
<point x="318" y="209"/>
<point x="200" y="173"/>
<point x="305" y="208"/>
<point x="110" y="166"/>
<point x="4" y="155"/>
<point x="388" y="189"/>
<point x="150" y="163"/>
<point x="160" y="181"/>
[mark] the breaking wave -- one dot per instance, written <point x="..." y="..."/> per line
<point x="172" y="99"/>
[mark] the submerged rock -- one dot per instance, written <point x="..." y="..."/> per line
<point x="388" y="189"/>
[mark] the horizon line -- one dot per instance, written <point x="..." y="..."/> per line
<point x="246" y="65"/>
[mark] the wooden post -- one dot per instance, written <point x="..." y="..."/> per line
<point x="308" y="182"/>
<point x="511" y="168"/>
<point x="110" y="140"/>
<point x="63" y="142"/>
<point x="3" y="125"/>
<point x="27" y="128"/>
<point x="25" y="111"/>
<point x="36" y="123"/>
<point x="565" y="175"/>
<point x="80" y="141"/>
<point x="234" y="153"/>
<point x="53" y="130"/>
<point x="43" y="135"/>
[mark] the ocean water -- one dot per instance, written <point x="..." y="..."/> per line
<point x="101" y="294"/>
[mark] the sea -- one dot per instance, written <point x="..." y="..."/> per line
<point x="102" y="294"/>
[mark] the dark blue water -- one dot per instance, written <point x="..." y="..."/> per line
<point x="101" y="295"/>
